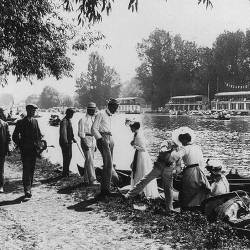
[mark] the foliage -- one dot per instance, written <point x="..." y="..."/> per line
<point x="33" y="99"/>
<point x="171" y="66"/>
<point x="49" y="98"/>
<point x="33" y="40"/>
<point x="99" y="83"/>
<point x="6" y="100"/>
<point x="66" y="101"/>
<point x="232" y="59"/>
<point x="131" y="88"/>
<point x="92" y="10"/>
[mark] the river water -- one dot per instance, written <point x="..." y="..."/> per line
<point x="225" y="140"/>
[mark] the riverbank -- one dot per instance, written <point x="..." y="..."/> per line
<point x="63" y="214"/>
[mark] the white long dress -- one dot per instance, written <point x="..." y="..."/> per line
<point x="144" y="166"/>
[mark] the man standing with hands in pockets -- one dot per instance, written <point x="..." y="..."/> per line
<point x="88" y="142"/>
<point x="101" y="130"/>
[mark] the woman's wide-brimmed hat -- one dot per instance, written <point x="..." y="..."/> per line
<point x="215" y="167"/>
<point x="181" y="131"/>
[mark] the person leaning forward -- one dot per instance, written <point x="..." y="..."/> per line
<point x="66" y="137"/>
<point x="101" y="129"/>
<point x="26" y="136"/>
<point x="4" y="147"/>
<point x="88" y="142"/>
<point x="164" y="167"/>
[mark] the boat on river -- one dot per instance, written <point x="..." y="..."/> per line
<point x="54" y="120"/>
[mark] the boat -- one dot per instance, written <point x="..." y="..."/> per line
<point x="54" y="120"/>
<point x="232" y="208"/>
<point x="11" y="120"/>
<point x="236" y="181"/>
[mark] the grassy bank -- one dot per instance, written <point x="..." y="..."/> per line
<point x="186" y="231"/>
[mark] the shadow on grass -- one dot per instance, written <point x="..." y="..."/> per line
<point x="83" y="205"/>
<point x="51" y="179"/>
<point x="71" y="188"/>
<point x="13" y="202"/>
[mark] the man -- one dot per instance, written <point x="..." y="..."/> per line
<point x="88" y="143"/>
<point x="4" y="146"/>
<point x="101" y="130"/>
<point x="164" y="168"/>
<point x="66" y="138"/>
<point x="26" y="136"/>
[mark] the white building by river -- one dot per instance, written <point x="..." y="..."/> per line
<point x="130" y="105"/>
<point x="232" y="101"/>
<point x="187" y="103"/>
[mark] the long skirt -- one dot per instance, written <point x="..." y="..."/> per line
<point x="144" y="166"/>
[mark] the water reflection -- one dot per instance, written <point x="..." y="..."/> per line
<point x="225" y="140"/>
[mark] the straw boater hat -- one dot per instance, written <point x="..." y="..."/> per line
<point x="181" y="131"/>
<point x="91" y="105"/>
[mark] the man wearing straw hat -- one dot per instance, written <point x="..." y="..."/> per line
<point x="88" y="142"/>
<point x="101" y="129"/>
<point x="66" y="138"/>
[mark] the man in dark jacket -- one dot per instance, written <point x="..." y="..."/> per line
<point x="26" y="136"/>
<point x="66" y="138"/>
<point x="4" y="147"/>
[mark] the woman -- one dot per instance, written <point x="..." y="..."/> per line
<point x="141" y="164"/>
<point x="220" y="184"/>
<point x="195" y="186"/>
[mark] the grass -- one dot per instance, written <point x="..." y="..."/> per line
<point x="188" y="230"/>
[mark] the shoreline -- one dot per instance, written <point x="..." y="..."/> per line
<point x="113" y="224"/>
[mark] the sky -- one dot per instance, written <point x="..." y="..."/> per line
<point x="123" y="30"/>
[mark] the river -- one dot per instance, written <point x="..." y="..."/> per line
<point x="225" y="140"/>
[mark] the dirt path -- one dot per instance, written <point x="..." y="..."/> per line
<point x="53" y="220"/>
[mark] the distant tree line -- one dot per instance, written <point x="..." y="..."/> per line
<point x="172" y="66"/>
<point x="49" y="98"/>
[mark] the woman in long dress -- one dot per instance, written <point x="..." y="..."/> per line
<point x="142" y="163"/>
<point x="195" y="186"/>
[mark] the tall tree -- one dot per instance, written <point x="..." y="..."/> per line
<point x="49" y="98"/>
<point x="131" y="88"/>
<point x="99" y="83"/>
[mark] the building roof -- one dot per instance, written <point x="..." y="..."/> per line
<point x="185" y="96"/>
<point x="128" y="98"/>
<point x="233" y="93"/>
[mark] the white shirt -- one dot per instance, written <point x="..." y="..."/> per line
<point x="220" y="187"/>
<point x="84" y="127"/>
<point x="102" y="123"/>
<point x="190" y="154"/>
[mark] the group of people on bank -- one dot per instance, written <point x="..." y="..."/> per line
<point x="94" y="131"/>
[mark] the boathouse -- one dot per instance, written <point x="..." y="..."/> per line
<point x="232" y="101"/>
<point x="187" y="103"/>
<point x="130" y="105"/>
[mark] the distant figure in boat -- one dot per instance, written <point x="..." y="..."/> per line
<point x="220" y="184"/>
<point x="141" y="164"/>
<point x="195" y="186"/>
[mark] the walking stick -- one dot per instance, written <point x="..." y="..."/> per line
<point x="86" y="171"/>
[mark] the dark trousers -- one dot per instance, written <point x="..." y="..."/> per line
<point x="29" y="162"/>
<point x="106" y="150"/>
<point x="67" y="156"/>
<point x="2" y="160"/>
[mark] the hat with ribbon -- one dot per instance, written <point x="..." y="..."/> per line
<point x="182" y="131"/>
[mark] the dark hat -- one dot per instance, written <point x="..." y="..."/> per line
<point x="31" y="106"/>
<point x="91" y="105"/>
<point x="1" y="109"/>
<point x="70" y="111"/>
<point x="113" y="101"/>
